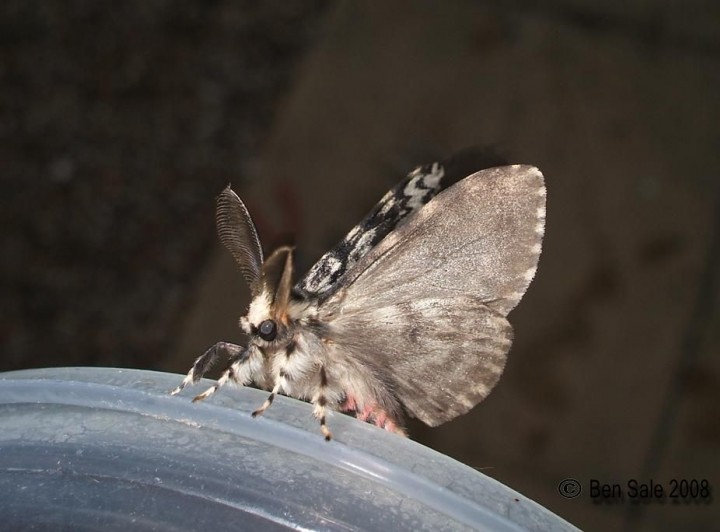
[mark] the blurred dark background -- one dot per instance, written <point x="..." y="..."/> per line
<point x="120" y="123"/>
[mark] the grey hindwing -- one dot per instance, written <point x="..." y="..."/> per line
<point x="428" y="303"/>
<point x="440" y="357"/>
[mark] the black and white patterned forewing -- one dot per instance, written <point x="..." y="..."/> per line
<point x="428" y="303"/>
<point x="419" y="187"/>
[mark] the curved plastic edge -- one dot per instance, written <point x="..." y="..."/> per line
<point x="404" y="466"/>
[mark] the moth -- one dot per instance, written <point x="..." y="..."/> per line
<point x="406" y="315"/>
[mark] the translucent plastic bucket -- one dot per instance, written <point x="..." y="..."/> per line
<point x="110" y="449"/>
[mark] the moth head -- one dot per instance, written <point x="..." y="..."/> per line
<point x="267" y="318"/>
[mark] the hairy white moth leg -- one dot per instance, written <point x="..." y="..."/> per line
<point x="281" y="380"/>
<point x="236" y="361"/>
<point x="203" y="363"/>
<point x="260" y="411"/>
<point x="319" y="401"/>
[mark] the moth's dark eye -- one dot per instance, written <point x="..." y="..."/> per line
<point x="267" y="330"/>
